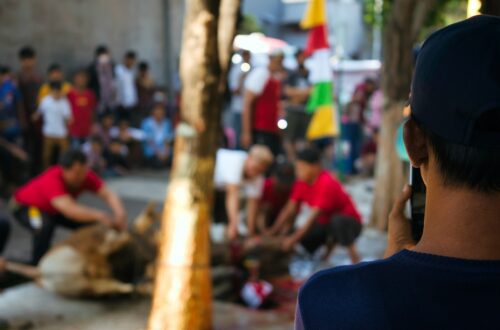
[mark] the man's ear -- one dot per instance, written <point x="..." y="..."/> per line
<point x="416" y="143"/>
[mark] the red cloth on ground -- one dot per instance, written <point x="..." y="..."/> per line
<point x="40" y="191"/>
<point x="327" y="194"/>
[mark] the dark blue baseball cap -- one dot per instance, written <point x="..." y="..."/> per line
<point x="457" y="82"/>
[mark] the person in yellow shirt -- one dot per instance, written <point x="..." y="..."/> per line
<point x="54" y="73"/>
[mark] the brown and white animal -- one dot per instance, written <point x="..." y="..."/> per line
<point x="97" y="261"/>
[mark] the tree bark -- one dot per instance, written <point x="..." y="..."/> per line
<point x="490" y="7"/>
<point x="183" y="293"/>
<point x="406" y="19"/>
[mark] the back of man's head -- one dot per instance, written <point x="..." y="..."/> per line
<point x="311" y="156"/>
<point x="72" y="157"/>
<point x="455" y="101"/>
<point x="262" y="154"/>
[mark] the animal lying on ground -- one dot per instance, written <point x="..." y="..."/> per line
<point x="98" y="261"/>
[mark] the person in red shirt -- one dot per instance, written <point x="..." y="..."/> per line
<point x="49" y="200"/>
<point x="83" y="103"/>
<point x="262" y="106"/>
<point x="329" y="214"/>
<point x="275" y="195"/>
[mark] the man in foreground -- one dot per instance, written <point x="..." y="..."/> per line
<point x="449" y="279"/>
<point x="49" y="200"/>
<point x="239" y="174"/>
<point x="320" y="210"/>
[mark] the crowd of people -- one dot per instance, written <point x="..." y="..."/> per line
<point x="283" y="181"/>
<point x="113" y="112"/>
<point x="112" y="117"/>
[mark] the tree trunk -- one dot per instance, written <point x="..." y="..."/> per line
<point x="490" y="7"/>
<point x="401" y="32"/>
<point x="183" y="294"/>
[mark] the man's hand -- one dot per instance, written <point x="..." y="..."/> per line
<point x="232" y="232"/>
<point x="120" y="222"/>
<point x="105" y="219"/>
<point x="399" y="236"/>
<point x="246" y="140"/>
<point x="288" y="244"/>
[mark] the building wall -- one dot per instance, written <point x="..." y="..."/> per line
<point x="67" y="31"/>
<point x="280" y="19"/>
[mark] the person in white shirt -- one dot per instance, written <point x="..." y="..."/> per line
<point x="239" y="174"/>
<point x="55" y="112"/>
<point x="126" y="86"/>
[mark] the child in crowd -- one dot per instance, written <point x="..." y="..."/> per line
<point x="126" y="86"/>
<point x="103" y="127"/>
<point x="55" y="74"/>
<point x="158" y="136"/>
<point x="10" y="98"/>
<point x="116" y="162"/>
<point x="275" y="195"/>
<point x="83" y="104"/>
<point x="55" y="112"/>
<point x="131" y="138"/>
<point x="95" y="155"/>
<point x="145" y="89"/>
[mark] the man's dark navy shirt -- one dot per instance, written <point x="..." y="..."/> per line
<point x="410" y="290"/>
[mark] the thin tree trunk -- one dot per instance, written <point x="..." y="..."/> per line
<point x="183" y="293"/>
<point x="401" y="32"/>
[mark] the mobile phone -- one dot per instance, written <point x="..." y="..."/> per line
<point x="417" y="203"/>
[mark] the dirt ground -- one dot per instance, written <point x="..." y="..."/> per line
<point x="29" y="307"/>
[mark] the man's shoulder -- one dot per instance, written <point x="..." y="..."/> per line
<point x="342" y="276"/>
<point x="345" y="292"/>
<point x="47" y="99"/>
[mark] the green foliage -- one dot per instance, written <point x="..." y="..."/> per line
<point x="446" y="12"/>
<point x="370" y="15"/>
<point x="249" y="24"/>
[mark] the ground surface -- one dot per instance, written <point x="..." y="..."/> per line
<point x="29" y="307"/>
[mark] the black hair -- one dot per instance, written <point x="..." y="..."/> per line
<point x="81" y="71"/>
<point x="26" y="52"/>
<point x="55" y="85"/>
<point x="70" y="158"/>
<point x="371" y="81"/>
<point x="96" y="139"/>
<point x="100" y="50"/>
<point x="284" y="172"/>
<point x="470" y="167"/>
<point x="4" y="69"/>
<point x="143" y="66"/>
<point x="130" y="55"/>
<point x="309" y="155"/>
<point x="54" y="67"/>
<point x="298" y="52"/>
<point x="106" y="114"/>
<point x="115" y="140"/>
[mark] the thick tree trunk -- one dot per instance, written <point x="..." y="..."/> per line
<point x="183" y="294"/>
<point x="401" y="32"/>
<point x="490" y="7"/>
